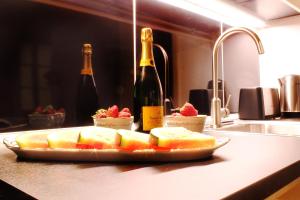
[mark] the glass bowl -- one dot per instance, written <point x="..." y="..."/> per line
<point x="192" y="123"/>
<point x="116" y="123"/>
<point x="44" y="121"/>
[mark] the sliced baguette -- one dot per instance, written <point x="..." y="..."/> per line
<point x="66" y="139"/>
<point x="32" y="139"/>
<point x="179" y="138"/>
<point x="132" y="140"/>
<point x="98" y="138"/>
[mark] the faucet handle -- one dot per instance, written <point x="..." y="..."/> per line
<point x="228" y="100"/>
<point x="225" y="112"/>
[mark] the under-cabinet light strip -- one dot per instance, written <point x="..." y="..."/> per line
<point x="222" y="67"/>
<point x="295" y="4"/>
<point x="134" y="38"/>
<point x="218" y="10"/>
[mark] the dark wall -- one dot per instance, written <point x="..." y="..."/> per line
<point x="40" y="58"/>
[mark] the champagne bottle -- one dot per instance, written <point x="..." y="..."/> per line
<point x="87" y="99"/>
<point x="148" y="95"/>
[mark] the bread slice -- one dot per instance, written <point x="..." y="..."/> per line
<point x="98" y="138"/>
<point x="32" y="139"/>
<point x="66" y="139"/>
<point x="180" y="138"/>
<point x="132" y="140"/>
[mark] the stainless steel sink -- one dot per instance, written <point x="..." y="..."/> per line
<point x="282" y="128"/>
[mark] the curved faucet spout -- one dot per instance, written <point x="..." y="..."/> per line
<point x="216" y="102"/>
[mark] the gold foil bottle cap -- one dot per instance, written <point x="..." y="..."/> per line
<point x="146" y="35"/>
<point x="147" y="58"/>
<point x="87" y="60"/>
<point x="87" y="48"/>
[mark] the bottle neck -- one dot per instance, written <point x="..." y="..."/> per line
<point x="87" y="64"/>
<point x="147" y="58"/>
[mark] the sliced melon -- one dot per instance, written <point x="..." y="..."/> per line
<point x="132" y="140"/>
<point x="180" y="138"/>
<point x="63" y="139"/>
<point x="98" y="137"/>
<point x="33" y="139"/>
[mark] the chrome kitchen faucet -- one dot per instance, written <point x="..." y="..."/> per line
<point x="216" y="102"/>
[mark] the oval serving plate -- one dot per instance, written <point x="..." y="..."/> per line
<point x="113" y="155"/>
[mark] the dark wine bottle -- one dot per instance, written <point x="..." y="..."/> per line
<point x="87" y="99"/>
<point x="148" y="95"/>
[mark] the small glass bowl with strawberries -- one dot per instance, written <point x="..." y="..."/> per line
<point x="45" y="117"/>
<point x="187" y="117"/>
<point x="113" y="118"/>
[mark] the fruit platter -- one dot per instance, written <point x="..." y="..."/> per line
<point x="100" y="144"/>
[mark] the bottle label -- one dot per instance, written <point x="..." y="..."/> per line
<point x="152" y="117"/>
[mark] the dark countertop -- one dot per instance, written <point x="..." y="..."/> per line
<point x="250" y="166"/>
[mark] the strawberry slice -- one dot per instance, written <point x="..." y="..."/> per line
<point x="84" y="146"/>
<point x="39" y="110"/>
<point x="101" y="113"/>
<point x="188" y="110"/>
<point x="157" y="148"/>
<point x="61" y="110"/>
<point x="124" y="114"/>
<point x="113" y="111"/>
<point x="125" y="110"/>
<point x="89" y="146"/>
<point x="176" y="114"/>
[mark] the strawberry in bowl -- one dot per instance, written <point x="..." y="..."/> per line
<point x="187" y="117"/>
<point x="113" y="118"/>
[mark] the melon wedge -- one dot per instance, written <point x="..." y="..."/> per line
<point x="66" y="139"/>
<point x="132" y="140"/>
<point x="98" y="137"/>
<point x="180" y="138"/>
<point x="32" y="139"/>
